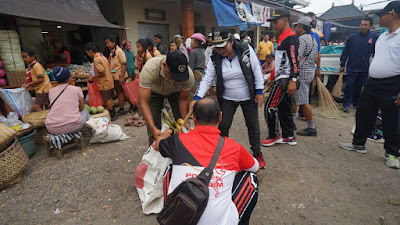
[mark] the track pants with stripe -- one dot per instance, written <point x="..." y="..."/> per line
<point x="278" y="109"/>
<point x="244" y="193"/>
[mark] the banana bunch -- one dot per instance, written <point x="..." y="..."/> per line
<point x="176" y="126"/>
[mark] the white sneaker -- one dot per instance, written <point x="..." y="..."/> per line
<point x="392" y="161"/>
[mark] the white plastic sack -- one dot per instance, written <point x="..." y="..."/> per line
<point x="149" y="178"/>
<point x="104" y="132"/>
<point x="19" y="100"/>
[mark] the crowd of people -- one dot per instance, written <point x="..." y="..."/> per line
<point x="216" y="75"/>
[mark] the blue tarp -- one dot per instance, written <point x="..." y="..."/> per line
<point x="331" y="49"/>
<point x="226" y="14"/>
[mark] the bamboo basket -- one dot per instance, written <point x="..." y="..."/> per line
<point x="16" y="78"/>
<point x="36" y="118"/>
<point x="7" y="136"/>
<point x="21" y="133"/>
<point x="105" y="113"/>
<point x="12" y="163"/>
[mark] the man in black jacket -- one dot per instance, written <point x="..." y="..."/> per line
<point x="160" y="45"/>
<point x="239" y="82"/>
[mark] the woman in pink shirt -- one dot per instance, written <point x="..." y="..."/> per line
<point x="67" y="113"/>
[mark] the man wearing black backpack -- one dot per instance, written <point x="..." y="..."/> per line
<point x="233" y="189"/>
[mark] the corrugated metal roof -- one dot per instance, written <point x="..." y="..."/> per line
<point x="82" y="12"/>
<point x="342" y="12"/>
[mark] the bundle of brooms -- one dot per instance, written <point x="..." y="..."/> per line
<point x="326" y="101"/>
<point x="337" y="89"/>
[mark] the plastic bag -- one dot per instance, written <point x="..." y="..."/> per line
<point x="132" y="91"/>
<point x="104" y="132"/>
<point x="149" y="180"/>
<point x="19" y="100"/>
<point x="95" y="98"/>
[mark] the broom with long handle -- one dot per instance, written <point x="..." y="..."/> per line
<point x="337" y="89"/>
<point x="326" y="101"/>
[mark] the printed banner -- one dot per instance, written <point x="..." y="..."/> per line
<point x="261" y="14"/>
<point x="244" y="12"/>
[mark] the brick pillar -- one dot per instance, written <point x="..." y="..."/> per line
<point x="187" y="18"/>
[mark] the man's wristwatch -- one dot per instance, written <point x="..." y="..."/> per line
<point x="294" y="79"/>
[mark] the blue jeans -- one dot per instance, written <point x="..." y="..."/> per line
<point x="354" y="82"/>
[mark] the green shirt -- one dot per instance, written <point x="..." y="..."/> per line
<point x="130" y="61"/>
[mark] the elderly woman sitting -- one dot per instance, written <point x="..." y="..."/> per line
<point x="67" y="113"/>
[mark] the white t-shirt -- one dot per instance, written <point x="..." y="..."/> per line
<point x="387" y="54"/>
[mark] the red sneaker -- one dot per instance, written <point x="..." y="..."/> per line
<point x="289" y="141"/>
<point x="261" y="161"/>
<point x="268" y="142"/>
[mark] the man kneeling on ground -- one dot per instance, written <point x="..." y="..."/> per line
<point x="233" y="186"/>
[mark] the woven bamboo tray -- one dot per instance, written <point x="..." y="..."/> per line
<point x="103" y="114"/>
<point x="36" y="118"/>
<point x="7" y="136"/>
<point x="15" y="78"/>
<point x="12" y="163"/>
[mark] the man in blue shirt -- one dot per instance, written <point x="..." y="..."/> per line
<point x="357" y="51"/>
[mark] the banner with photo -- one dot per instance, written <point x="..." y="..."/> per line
<point x="244" y="13"/>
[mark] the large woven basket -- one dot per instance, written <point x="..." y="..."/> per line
<point x="12" y="163"/>
<point x="15" y="78"/>
<point x="36" y="118"/>
<point x="103" y="114"/>
<point x="7" y="136"/>
<point x="26" y="131"/>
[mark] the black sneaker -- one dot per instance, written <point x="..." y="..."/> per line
<point x="121" y="112"/>
<point x="133" y="108"/>
<point x="308" y="132"/>
<point x="114" y="116"/>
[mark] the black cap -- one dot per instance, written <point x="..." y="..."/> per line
<point x="178" y="66"/>
<point x="279" y="13"/>
<point x="221" y="36"/>
<point x="390" y="8"/>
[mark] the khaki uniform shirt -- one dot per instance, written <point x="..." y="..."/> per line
<point x="37" y="72"/>
<point x="101" y="65"/>
<point x="152" y="77"/>
<point x="116" y="63"/>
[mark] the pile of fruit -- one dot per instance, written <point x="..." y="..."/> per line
<point x="135" y="120"/>
<point x="94" y="110"/>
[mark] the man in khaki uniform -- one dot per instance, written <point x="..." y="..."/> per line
<point x="164" y="77"/>
<point x="103" y="77"/>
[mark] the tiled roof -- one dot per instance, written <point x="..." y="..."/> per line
<point x="343" y="11"/>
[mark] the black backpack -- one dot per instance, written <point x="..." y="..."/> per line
<point x="186" y="204"/>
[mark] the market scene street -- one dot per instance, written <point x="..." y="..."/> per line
<point x="200" y="112"/>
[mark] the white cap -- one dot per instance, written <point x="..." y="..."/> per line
<point x="236" y="36"/>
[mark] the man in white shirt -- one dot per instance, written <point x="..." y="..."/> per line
<point x="239" y="82"/>
<point x="382" y="90"/>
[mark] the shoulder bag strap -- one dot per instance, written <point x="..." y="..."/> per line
<point x="217" y="152"/>
<point x="207" y="173"/>
<point x="58" y="96"/>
